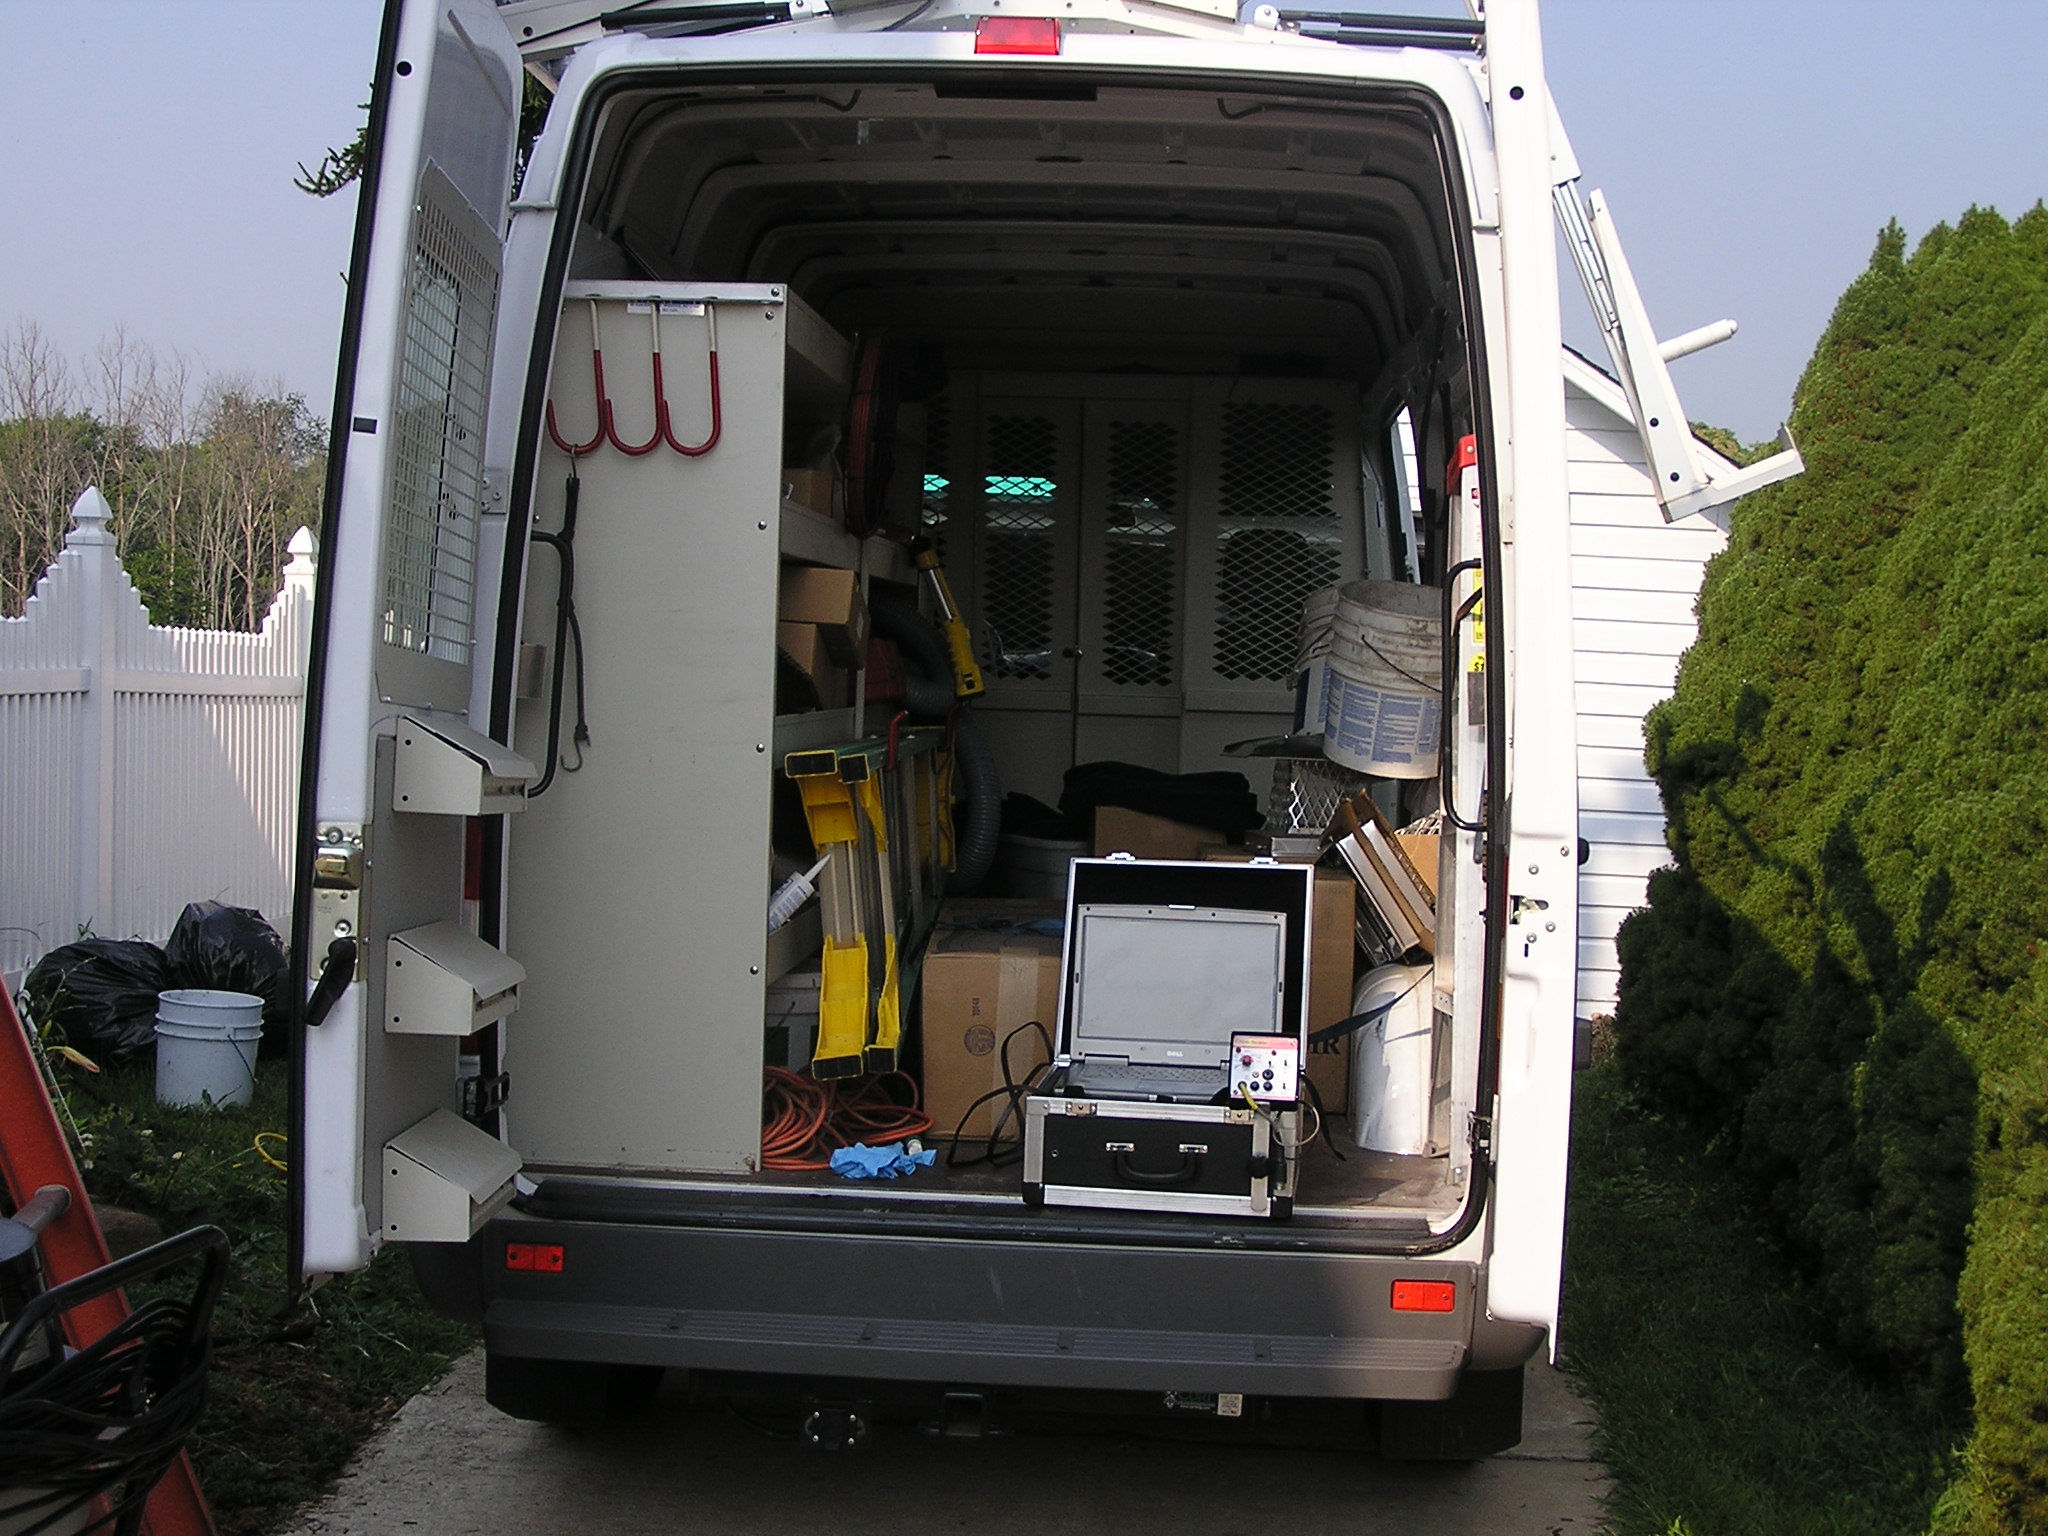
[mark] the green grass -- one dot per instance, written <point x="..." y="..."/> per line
<point x="289" y="1397"/>
<point x="1719" y="1413"/>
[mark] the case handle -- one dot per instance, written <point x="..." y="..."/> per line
<point x="1189" y="1170"/>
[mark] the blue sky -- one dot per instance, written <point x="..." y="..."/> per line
<point x="1751" y="150"/>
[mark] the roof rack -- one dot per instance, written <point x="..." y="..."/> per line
<point x="1366" y="29"/>
<point x="697" y="20"/>
<point x="548" y="31"/>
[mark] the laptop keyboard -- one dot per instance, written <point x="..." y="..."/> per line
<point x="1128" y="1072"/>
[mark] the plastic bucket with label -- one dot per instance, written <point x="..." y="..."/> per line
<point x="1385" y="701"/>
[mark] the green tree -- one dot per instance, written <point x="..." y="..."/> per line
<point x="1838" y="981"/>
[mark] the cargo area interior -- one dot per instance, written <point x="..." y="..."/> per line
<point x="1153" y="371"/>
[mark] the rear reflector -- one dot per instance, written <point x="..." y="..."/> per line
<point x="1425" y="1296"/>
<point x="543" y="1258"/>
<point x="1016" y="34"/>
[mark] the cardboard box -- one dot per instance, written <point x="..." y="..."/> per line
<point x="1422" y="850"/>
<point x="830" y="598"/>
<point x="1331" y="966"/>
<point x="1149" y="837"/>
<point x="811" y="489"/>
<point x="982" y="978"/>
<point x="805" y="645"/>
<point x="1331" y="963"/>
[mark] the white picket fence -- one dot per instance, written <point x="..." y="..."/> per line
<point x="141" y="766"/>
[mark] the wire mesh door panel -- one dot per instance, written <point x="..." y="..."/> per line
<point x="437" y="432"/>
<point x="1133" y="557"/>
<point x="1275" y="515"/>
<point x="1025" y="599"/>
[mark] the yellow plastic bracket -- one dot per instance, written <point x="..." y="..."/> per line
<point x="881" y="1053"/>
<point x="842" y="1010"/>
<point x="828" y="805"/>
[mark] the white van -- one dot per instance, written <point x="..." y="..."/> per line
<point x="1176" y="320"/>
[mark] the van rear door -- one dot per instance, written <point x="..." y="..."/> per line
<point x="1539" y="963"/>
<point x="391" y="768"/>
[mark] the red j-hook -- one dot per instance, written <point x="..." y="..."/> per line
<point x="717" y="414"/>
<point x="578" y="450"/>
<point x="664" y="426"/>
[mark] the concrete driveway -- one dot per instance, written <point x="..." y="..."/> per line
<point x="448" y="1464"/>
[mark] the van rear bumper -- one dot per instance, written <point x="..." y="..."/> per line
<point x="972" y="1311"/>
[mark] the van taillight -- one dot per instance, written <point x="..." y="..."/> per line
<point x="1016" y="34"/>
<point x="542" y="1258"/>
<point x="1425" y="1296"/>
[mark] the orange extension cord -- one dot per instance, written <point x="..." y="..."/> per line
<point x="804" y="1121"/>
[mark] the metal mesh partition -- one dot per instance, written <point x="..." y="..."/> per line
<point x="437" y="439"/>
<point x="1141" y="523"/>
<point x="1277" y="538"/>
<point x="1019" y="549"/>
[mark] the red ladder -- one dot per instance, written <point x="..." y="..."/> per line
<point x="33" y="1152"/>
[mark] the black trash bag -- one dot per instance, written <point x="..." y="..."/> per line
<point x="99" y="995"/>
<point x="232" y="949"/>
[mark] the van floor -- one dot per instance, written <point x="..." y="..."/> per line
<point x="1337" y="1184"/>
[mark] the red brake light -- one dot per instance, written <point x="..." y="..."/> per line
<point x="541" y="1258"/>
<point x="1016" y="34"/>
<point x="1425" y="1296"/>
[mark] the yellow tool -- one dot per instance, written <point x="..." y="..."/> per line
<point x="843" y="994"/>
<point x="967" y="683"/>
<point x="845" y="799"/>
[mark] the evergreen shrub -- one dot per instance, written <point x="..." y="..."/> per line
<point x="1842" y="982"/>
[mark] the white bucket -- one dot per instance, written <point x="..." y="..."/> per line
<point x="1318" y="613"/>
<point x="1385" y="705"/>
<point x="206" y="1045"/>
<point x="1392" y="1060"/>
<point x="1312" y="662"/>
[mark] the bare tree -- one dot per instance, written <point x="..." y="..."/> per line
<point x="46" y="453"/>
<point x="206" y="482"/>
<point x="258" y="446"/>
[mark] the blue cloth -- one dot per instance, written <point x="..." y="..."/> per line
<point x="861" y="1161"/>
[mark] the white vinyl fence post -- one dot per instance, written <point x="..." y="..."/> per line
<point x="100" y="580"/>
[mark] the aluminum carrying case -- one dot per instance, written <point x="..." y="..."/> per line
<point x="1212" y="1158"/>
<point x="1208" y="1159"/>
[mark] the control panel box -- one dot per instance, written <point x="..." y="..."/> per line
<point x="1266" y="1066"/>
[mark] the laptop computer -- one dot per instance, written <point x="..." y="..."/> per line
<point x="1157" y="992"/>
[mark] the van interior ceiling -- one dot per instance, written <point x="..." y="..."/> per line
<point x="1202" y="234"/>
<point x="1183" y="358"/>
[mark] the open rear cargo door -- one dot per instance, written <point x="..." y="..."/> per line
<point x="1539" y="971"/>
<point x="391" y="767"/>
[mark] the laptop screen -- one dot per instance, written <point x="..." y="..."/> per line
<point x="1170" y="985"/>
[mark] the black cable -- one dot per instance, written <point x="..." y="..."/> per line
<point x="1014" y="1093"/>
<point x="1315" y="1096"/>
<point x="579" y="738"/>
<point x="908" y="17"/>
<point x="108" y="1420"/>
<point x="567" y="627"/>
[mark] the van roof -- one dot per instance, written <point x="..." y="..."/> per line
<point x="548" y="31"/>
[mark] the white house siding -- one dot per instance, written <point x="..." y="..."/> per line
<point x="1634" y="578"/>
